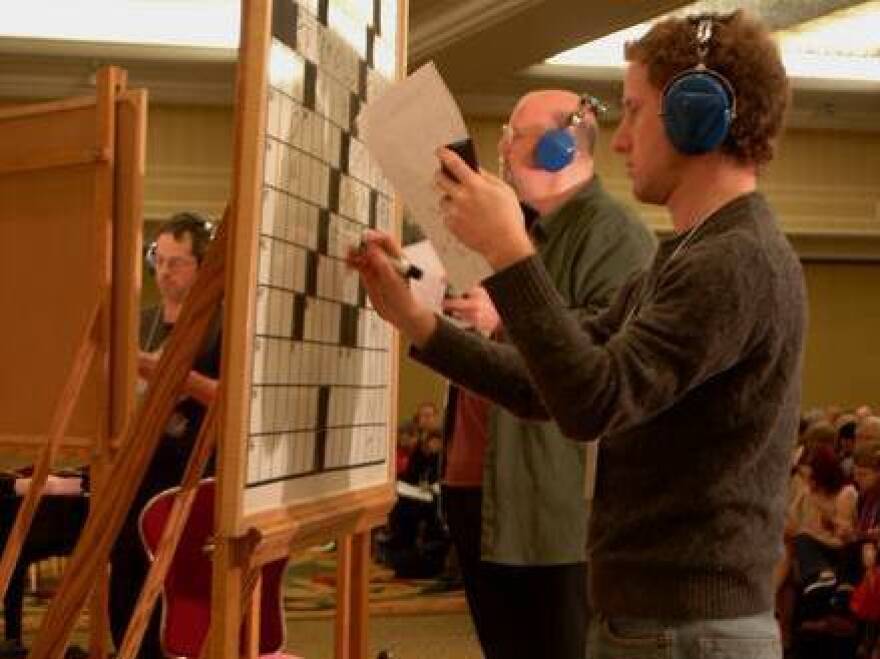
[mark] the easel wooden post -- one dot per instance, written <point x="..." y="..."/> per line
<point x="352" y="604"/>
<point x="72" y="146"/>
<point x="109" y="82"/>
<point x="250" y="109"/>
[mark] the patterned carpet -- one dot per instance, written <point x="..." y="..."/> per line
<point x="310" y="594"/>
<point x="311" y="590"/>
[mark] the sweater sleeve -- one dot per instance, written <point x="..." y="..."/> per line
<point x="699" y="320"/>
<point x="488" y="368"/>
<point x="497" y="370"/>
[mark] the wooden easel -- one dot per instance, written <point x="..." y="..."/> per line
<point x="246" y="542"/>
<point x="71" y="174"/>
<point x="243" y="542"/>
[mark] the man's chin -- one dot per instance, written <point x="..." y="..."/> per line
<point x="647" y="196"/>
<point x="171" y="296"/>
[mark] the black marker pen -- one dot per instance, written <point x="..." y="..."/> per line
<point x="401" y="266"/>
<point x="405" y="269"/>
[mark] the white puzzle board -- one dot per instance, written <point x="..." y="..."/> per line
<point x="321" y="376"/>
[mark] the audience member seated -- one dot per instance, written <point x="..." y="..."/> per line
<point x="868" y="429"/>
<point x="834" y="618"/>
<point x="827" y="524"/>
<point x="865" y="603"/>
<point x="820" y="432"/>
<point x="423" y="468"/>
<point x="846" y="444"/>
<point x="866" y="471"/>
<point x="417" y="542"/>
<point x="407" y="439"/>
<point x="426" y="419"/>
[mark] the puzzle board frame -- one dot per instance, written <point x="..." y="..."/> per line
<point x="310" y="371"/>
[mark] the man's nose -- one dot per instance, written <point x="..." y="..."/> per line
<point x="619" y="141"/>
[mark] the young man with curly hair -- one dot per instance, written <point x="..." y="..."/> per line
<point x="691" y="378"/>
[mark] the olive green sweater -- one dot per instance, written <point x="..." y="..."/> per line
<point x="533" y="484"/>
<point x="696" y="400"/>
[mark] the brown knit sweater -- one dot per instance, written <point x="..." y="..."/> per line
<point x="696" y="400"/>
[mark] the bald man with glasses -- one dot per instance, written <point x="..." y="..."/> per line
<point x="514" y="489"/>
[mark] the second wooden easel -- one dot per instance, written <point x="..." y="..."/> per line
<point x="70" y="207"/>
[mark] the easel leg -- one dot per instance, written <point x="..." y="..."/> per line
<point x="352" y="605"/>
<point x="99" y="621"/>
<point x="251" y="649"/>
<point x="226" y="595"/>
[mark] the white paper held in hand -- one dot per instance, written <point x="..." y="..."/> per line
<point x="403" y="129"/>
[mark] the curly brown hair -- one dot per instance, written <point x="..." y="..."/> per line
<point x="743" y="51"/>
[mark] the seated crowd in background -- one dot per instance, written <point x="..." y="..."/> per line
<point x="829" y="592"/>
<point x="415" y="542"/>
<point x="828" y="581"/>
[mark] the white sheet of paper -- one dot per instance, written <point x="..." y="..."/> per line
<point x="402" y="130"/>
<point x="404" y="489"/>
<point x="430" y="288"/>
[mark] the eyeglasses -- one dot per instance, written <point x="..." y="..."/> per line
<point x="587" y="104"/>
<point x="510" y="134"/>
<point x="174" y="264"/>
<point x="171" y="263"/>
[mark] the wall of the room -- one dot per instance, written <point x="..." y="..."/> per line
<point x="821" y="180"/>
<point x="843" y="344"/>
<point x="189" y="151"/>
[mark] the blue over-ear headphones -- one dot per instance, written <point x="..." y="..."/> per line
<point x="698" y="104"/>
<point x="556" y="148"/>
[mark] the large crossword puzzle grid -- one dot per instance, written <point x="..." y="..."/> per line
<point x="321" y="355"/>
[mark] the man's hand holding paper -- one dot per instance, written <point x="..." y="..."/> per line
<point x="482" y="212"/>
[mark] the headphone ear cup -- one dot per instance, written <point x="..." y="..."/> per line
<point x="555" y="150"/>
<point x="150" y="258"/>
<point x="697" y="111"/>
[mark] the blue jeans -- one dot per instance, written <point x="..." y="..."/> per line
<point x="751" y="637"/>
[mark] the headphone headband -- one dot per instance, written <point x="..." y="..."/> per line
<point x="704" y="36"/>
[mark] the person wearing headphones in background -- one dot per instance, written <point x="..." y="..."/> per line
<point x="525" y="500"/>
<point x="174" y="259"/>
<point x="691" y="378"/>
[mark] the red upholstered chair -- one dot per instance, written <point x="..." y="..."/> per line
<point x="187" y="589"/>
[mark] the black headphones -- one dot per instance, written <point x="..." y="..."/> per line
<point x="200" y="227"/>
<point x="699" y="104"/>
<point x="556" y="148"/>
